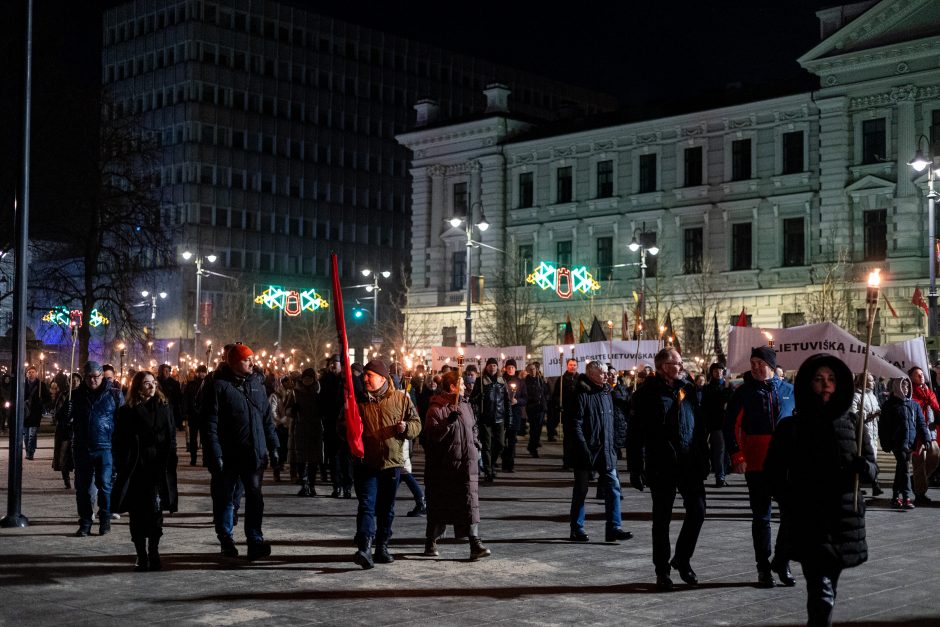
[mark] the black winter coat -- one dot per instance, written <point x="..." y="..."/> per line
<point x="517" y="411"/>
<point x="620" y="394"/>
<point x="536" y="391"/>
<point x="238" y="424"/>
<point x="145" y="458"/>
<point x="591" y="420"/>
<point x="490" y="399"/>
<point x="37" y="397"/>
<point x="715" y="397"/>
<point x="451" y="471"/>
<point x="810" y="467"/>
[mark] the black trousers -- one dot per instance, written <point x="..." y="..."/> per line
<point x="551" y="424"/>
<point x="145" y="523"/>
<point x="821" y="584"/>
<point x="536" y="418"/>
<point x="664" y="497"/>
<point x="509" y="450"/>
<point x="491" y="444"/>
<point x="193" y="442"/>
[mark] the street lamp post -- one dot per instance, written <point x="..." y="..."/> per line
<point x="928" y="162"/>
<point x="153" y="309"/>
<point x="374" y="289"/>
<point x="199" y="274"/>
<point x="482" y="225"/>
<point x="634" y="246"/>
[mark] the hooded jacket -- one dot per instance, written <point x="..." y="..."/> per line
<point x="817" y="447"/>
<point x="902" y="421"/>
<point x="752" y="414"/>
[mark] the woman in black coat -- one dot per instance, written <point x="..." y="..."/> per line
<point x="144" y="446"/>
<point x="62" y="460"/>
<point x="812" y="463"/>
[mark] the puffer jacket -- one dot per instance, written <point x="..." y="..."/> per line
<point x="92" y="416"/>
<point x="592" y="427"/>
<point x="666" y="435"/>
<point x="380" y="412"/>
<point x="816" y="447"/>
<point x="902" y="421"/>
<point x="238" y="424"/>
<point x="751" y="416"/>
<point x="490" y="399"/>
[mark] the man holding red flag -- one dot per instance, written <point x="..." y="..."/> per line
<point x="388" y="419"/>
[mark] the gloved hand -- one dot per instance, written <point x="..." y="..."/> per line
<point x="275" y="459"/>
<point x="637" y="480"/>
<point x="453" y="416"/>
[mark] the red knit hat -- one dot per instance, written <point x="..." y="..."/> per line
<point x="238" y="353"/>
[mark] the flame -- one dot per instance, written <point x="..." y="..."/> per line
<point x="874" y="278"/>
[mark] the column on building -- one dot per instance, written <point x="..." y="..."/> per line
<point x="834" y="229"/>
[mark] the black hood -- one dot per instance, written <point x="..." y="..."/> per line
<point x="807" y="402"/>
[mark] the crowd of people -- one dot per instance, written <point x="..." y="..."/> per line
<point x="673" y="430"/>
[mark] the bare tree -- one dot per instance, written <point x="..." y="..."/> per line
<point x="512" y="316"/>
<point x="831" y="300"/>
<point x="699" y="296"/>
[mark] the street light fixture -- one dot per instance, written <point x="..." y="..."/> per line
<point x="634" y="246"/>
<point x="482" y="225"/>
<point x="374" y="289"/>
<point x="187" y="255"/>
<point x="919" y="163"/>
<point x="153" y="309"/>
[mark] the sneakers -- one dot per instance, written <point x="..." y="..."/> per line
<point x="907" y="504"/>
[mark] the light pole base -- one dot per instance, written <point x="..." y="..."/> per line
<point x="11" y="521"/>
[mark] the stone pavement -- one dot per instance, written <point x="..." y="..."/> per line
<point x="535" y="576"/>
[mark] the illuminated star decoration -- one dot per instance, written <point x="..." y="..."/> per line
<point x="293" y="302"/>
<point x="64" y="316"/>
<point x="563" y="280"/>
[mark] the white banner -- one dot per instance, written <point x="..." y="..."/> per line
<point x="621" y="354"/>
<point x="795" y="344"/>
<point x="905" y="355"/>
<point x="476" y="355"/>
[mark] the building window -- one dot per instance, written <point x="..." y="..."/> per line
<point x="734" y="320"/>
<point x="605" y="179"/>
<point x="526" y="190"/>
<point x="647" y="174"/>
<point x="741" y="246"/>
<point x="605" y="256"/>
<point x="793" y="153"/>
<point x="693" y="335"/>
<point x="797" y="319"/>
<point x="459" y="276"/>
<point x="693" y="166"/>
<point x="692" y="248"/>
<point x="525" y="261"/>
<point x="741" y="160"/>
<point x="563" y="184"/>
<point x="563" y="253"/>
<point x="460" y="199"/>
<point x="873" y="141"/>
<point x="793" y="242"/>
<point x="876" y="234"/>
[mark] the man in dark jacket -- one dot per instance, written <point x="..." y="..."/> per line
<point x="752" y="414"/>
<point x="667" y="447"/>
<point x="335" y="450"/>
<point x="238" y="442"/>
<point x="564" y="390"/>
<point x="490" y="400"/>
<point x="191" y="410"/>
<point x="537" y="393"/>
<point x="592" y="449"/>
<point x="37" y="397"/>
<point x="92" y="418"/>
<point x="173" y="392"/>
<point x="714" y="399"/>
<point x="517" y="404"/>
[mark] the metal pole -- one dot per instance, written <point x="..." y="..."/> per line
<point x="932" y="262"/>
<point x="375" y="305"/>
<point x="643" y="290"/>
<point x="468" y="331"/>
<point x="15" y="517"/>
<point x="198" y="297"/>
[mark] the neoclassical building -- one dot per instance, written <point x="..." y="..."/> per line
<point x="779" y="206"/>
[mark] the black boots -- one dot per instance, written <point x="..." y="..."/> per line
<point x="143" y="560"/>
<point x="153" y="553"/>
<point x="430" y="548"/>
<point x="420" y="509"/>
<point x="477" y="550"/>
<point x="382" y="556"/>
<point x="67" y="480"/>
<point x="363" y="556"/>
<point x="306" y="486"/>
<point x="104" y="523"/>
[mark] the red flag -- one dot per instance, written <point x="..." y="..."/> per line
<point x="353" y="420"/>
<point x="742" y="319"/>
<point x="919" y="301"/>
<point x="888" y="303"/>
<point x="569" y="332"/>
<point x="625" y="327"/>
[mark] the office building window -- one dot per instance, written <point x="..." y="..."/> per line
<point x="693" y="166"/>
<point x="525" y="261"/>
<point x="793" y="242"/>
<point x="792" y="149"/>
<point x="526" y="190"/>
<point x="459" y="276"/>
<point x="692" y="250"/>
<point x="876" y="234"/>
<point x="873" y="141"/>
<point x="563" y="184"/>
<point x="460" y="199"/>
<point x="605" y="179"/>
<point x="796" y="319"/>
<point x="647" y="174"/>
<point x="605" y="256"/>
<point x="563" y="253"/>
<point x="741" y="246"/>
<point x="741" y="160"/>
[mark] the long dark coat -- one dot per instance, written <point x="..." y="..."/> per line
<point x="451" y="471"/>
<point x="816" y="447"/>
<point x="62" y="460"/>
<point x="144" y="449"/>
<point x="306" y="427"/>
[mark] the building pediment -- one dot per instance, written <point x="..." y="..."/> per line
<point x="870" y="185"/>
<point x="885" y="33"/>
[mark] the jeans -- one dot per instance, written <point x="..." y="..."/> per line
<point x="902" y="476"/>
<point x="821" y="587"/>
<point x="376" y="491"/>
<point x="92" y="474"/>
<point x="716" y="445"/>
<point x="611" y="484"/>
<point x="664" y="497"/>
<point x="30" y="438"/>
<point x="758" y="492"/>
<point x="925" y="463"/>
<point x="224" y="487"/>
<point x="491" y="444"/>
<point x="536" y="418"/>
<point x="414" y="486"/>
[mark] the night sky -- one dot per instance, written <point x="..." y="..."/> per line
<point x="646" y="53"/>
